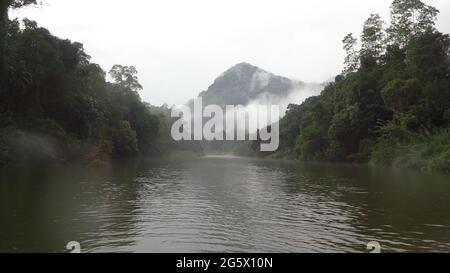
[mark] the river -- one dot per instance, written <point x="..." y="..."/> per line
<point x="224" y="204"/>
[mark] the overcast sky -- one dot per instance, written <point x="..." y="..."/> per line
<point x="180" y="46"/>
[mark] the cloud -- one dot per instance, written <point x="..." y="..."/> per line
<point x="180" y="47"/>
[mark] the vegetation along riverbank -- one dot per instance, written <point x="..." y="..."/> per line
<point x="390" y="106"/>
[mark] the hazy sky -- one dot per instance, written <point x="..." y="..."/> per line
<point x="181" y="46"/>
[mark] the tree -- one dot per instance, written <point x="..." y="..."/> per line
<point x="401" y="95"/>
<point x="49" y="87"/>
<point x="342" y="135"/>
<point x="5" y="5"/>
<point x="125" y="140"/>
<point x="126" y="76"/>
<point x="351" y="62"/>
<point x="408" y="18"/>
<point x="373" y="37"/>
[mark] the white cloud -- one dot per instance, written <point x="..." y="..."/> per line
<point x="180" y="47"/>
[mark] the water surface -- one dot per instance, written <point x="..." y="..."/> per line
<point x="223" y="204"/>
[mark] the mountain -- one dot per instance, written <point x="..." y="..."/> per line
<point x="244" y="83"/>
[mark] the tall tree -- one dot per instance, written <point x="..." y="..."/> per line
<point x="409" y="17"/>
<point x="126" y="76"/>
<point x="351" y="62"/>
<point x="373" y="37"/>
<point x="5" y="5"/>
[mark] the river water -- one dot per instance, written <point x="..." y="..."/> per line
<point x="224" y="204"/>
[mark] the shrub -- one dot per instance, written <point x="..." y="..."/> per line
<point x="125" y="140"/>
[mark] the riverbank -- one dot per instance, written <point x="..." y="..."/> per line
<point x="426" y="154"/>
<point x="27" y="149"/>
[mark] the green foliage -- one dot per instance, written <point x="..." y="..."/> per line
<point x="401" y="95"/>
<point x="427" y="154"/>
<point x="390" y="106"/>
<point x="126" y="76"/>
<point x="385" y="151"/>
<point x="50" y="90"/>
<point x="409" y="18"/>
<point x="312" y="142"/>
<point x="373" y="37"/>
<point x="125" y="140"/>
<point x="342" y="136"/>
<point x="5" y="5"/>
<point x="351" y="62"/>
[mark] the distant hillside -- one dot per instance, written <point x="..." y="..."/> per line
<point x="244" y="83"/>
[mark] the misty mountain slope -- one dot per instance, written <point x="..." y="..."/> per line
<point x="245" y="83"/>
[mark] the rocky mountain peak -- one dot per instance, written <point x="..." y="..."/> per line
<point x="243" y="83"/>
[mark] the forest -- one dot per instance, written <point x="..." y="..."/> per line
<point x="391" y="104"/>
<point x="56" y="106"/>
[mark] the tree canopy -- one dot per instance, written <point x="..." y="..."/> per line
<point x="390" y="105"/>
<point x="49" y="88"/>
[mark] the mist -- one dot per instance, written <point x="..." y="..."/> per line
<point x="180" y="51"/>
<point x="297" y="95"/>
